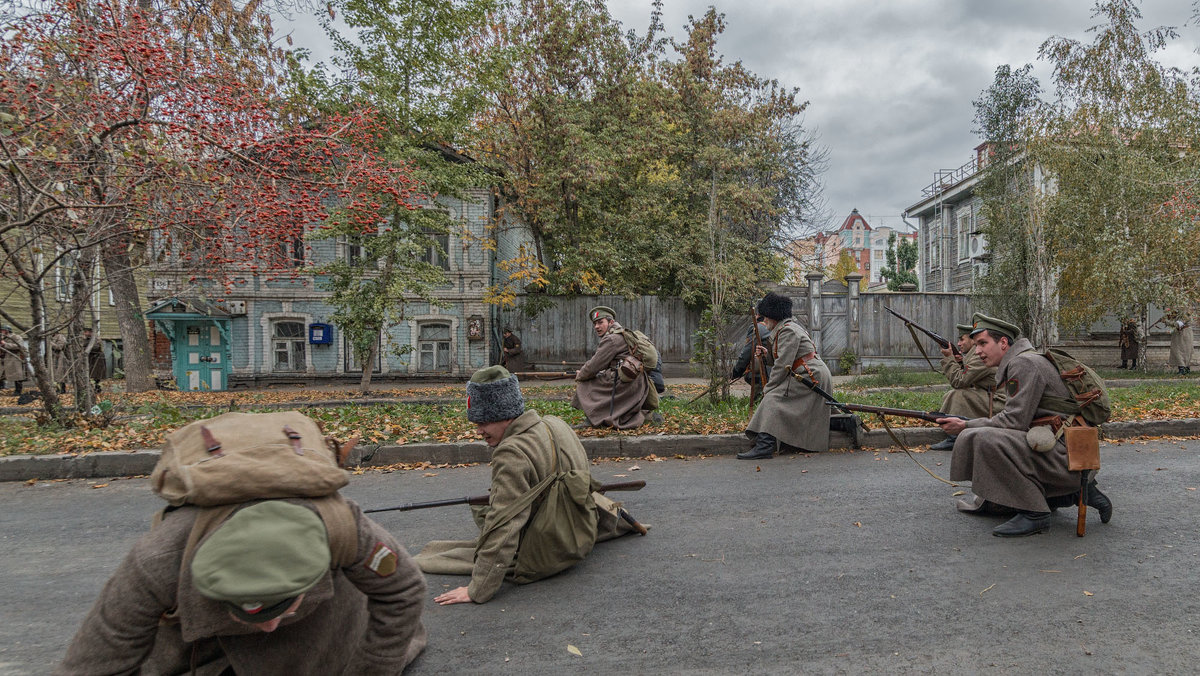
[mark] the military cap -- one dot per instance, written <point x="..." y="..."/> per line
<point x="775" y="306"/>
<point x="981" y="322"/>
<point x="262" y="558"/>
<point x="493" y="394"/>
<point x="602" y="312"/>
<point x="964" y="329"/>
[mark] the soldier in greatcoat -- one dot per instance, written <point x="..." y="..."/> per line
<point x="524" y="445"/>
<point x="790" y="415"/>
<point x="605" y="399"/>
<point x="994" y="453"/>
<point x="973" y="392"/>
<point x="13" y="360"/>
<point x="1129" y="339"/>
<point x="513" y="359"/>
<point x="260" y="594"/>
<point x="60" y="362"/>
<point x="97" y="368"/>
<point x="1182" y="343"/>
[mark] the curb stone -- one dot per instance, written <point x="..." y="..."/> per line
<point x="134" y="463"/>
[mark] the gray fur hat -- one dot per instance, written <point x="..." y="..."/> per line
<point x="775" y="306"/>
<point x="493" y="394"/>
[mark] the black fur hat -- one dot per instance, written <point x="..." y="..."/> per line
<point x="775" y="306"/>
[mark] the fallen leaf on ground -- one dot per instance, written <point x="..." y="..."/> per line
<point x="634" y="468"/>
<point x="858" y="523"/>
<point x="430" y="474"/>
<point x="1081" y="556"/>
<point x="1088" y="593"/>
<point x="957" y="493"/>
<point x="573" y="650"/>
<point x="99" y="486"/>
<point x="985" y="590"/>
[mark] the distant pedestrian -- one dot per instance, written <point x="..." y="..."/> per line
<point x="12" y="360"/>
<point x="97" y="367"/>
<point x="513" y="359"/>
<point x="1130" y="339"/>
<point x="1182" y="343"/>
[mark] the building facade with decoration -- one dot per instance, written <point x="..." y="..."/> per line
<point x="867" y="246"/>
<point x="278" y="329"/>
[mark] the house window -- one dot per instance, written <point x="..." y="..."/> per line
<point x="352" y="247"/>
<point x="433" y="347"/>
<point x="287" y="344"/>
<point x="291" y="251"/>
<point x="935" y="260"/>
<point x="353" y="365"/>
<point x="64" y="270"/>
<point x="436" y="254"/>
<point x="966" y="224"/>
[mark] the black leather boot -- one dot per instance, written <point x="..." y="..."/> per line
<point x="764" y="447"/>
<point x="1023" y="524"/>
<point x="1100" y="502"/>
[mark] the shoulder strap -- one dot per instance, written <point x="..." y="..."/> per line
<point x="341" y="528"/>
<point x="505" y="515"/>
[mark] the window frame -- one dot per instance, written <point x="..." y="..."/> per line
<point x="296" y="346"/>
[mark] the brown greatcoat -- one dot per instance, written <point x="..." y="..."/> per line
<point x="1182" y="343"/>
<point x="992" y="452"/>
<point x="513" y="359"/>
<point x="599" y="393"/>
<point x="60" y="363"/>
<point x="973" y="392"/>
<point x="523" y="458"/>
<point x="1129" y="339"/>
<point x="14" y="365"/>
<point x="353" y="621"/>
<point x="789" y="411"/>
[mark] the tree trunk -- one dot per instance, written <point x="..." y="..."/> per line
<point x="368" y="368"/>
<point x="139" y="372"/>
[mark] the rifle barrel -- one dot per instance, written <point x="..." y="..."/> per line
<point x="930" y="416"/>
<point x="483" y="499"/>
<point x="942" y="342"/>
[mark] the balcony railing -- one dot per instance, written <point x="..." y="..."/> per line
<point x="944" y="179"/>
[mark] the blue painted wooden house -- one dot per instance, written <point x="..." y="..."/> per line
<point x="280" y="331"/>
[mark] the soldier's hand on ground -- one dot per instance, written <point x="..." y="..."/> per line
<point x="952" y="426"/>
<point x="453" y="596"/>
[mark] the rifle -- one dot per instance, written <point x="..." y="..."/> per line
<point x="829" y="399"/>
<point x="930" y="416"/>
<point x="483" y="499"/>
<point x="711" y="389"/>
<point x="942" y="342"/>
<point x="755" y="359"/>
<point x="552" y="375"/>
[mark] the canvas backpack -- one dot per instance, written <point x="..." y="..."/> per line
<point x="563" y="527"/>
<point x="643" y="358"/>
<point x="221" y="463"/>
<point x="1089" y="395"/>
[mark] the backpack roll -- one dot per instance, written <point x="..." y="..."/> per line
<point x="236" y="457"/>
<point x="1089" y="395"/>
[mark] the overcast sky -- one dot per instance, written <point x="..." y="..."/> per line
<point x="889" y="82"/>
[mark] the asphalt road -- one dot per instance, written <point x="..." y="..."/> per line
<point x="833" y="563"/>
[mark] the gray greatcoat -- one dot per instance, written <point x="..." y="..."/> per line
<point x="599" y="393"/>
<point x="354" y="621"/>
<point x="789" y="411"/>
<point x="60" y="362"/>
<point x="522" y="459"/>
<point x="973" y="392"/>
<point x="992" y="452"/>
<point x="13" y="364"/>
<point x="1182" y="343"/>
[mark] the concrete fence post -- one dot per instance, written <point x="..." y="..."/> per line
<point x="814" y="306"/>
<point x="853" y="301"/>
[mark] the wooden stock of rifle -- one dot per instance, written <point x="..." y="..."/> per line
<point x="930" y="416"/>
<point x="483" y="499"/>
<point x="545" y="374"/>
<point x="942" y="342"/>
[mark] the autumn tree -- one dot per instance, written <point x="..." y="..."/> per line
<point x="846" y="265"/>
<point x="124" y="137"/>
<point x="1121" y="149"/>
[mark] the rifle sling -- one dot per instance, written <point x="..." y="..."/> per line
<point x="883" y="419"/>
<point x="917" y="342"/>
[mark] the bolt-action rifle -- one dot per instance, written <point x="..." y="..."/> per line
<point x="942" y="342"/>
<point x="483" y="499"/>
<point x="929" y="416"/>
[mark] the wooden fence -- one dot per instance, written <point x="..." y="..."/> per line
<point x="838" y="318"/>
